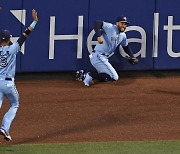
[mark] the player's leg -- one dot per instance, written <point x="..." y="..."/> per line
<point x="2" y="87"/>
<point x="101" y="76"/>
<point x="105" y="70"/>
<point x="13" y="97"/>
<point x="1" y="98"/>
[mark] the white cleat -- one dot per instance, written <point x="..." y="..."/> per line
<point x="7" y="137"/>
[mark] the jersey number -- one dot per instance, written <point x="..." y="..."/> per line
<point x="3" y="61"/>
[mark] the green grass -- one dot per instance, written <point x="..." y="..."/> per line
<point x="148" y="147"/>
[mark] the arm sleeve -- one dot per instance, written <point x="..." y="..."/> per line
<point x="128" y="50"/>
<point x="97" y="27"/>
<point x="21" y="40"/>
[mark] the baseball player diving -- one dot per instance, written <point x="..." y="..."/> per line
<point x="109" y="37"/>
<point x="8" y="52"/>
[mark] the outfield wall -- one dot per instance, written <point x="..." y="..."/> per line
<point x="64" y="36"/>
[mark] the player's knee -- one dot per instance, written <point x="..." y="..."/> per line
<point x="115" y="77"/>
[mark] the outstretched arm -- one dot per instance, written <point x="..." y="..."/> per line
<point x="128" y="50"/>
<point x="29" y="29"/>
<point x="33" y="24"/>
<point x="131" y="59"/>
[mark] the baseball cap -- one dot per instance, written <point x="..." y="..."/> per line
<point x="5" y="35"/>
<point x="122" y="19"/>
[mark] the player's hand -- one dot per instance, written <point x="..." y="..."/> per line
<point x="100" y="40"/>
<point x="132" y="60"/>
<point x="34" y="15"/>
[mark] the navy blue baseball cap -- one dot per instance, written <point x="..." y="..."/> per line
<point x="122" y="19"/>
<point x="5" y="35"/>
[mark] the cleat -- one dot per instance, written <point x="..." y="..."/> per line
<point x="80" y="75"/>
<point x="7" y="137"/>
<point x="84" y="77"/>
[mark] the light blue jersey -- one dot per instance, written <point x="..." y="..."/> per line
<point x="7" y="73"/>
<point x="111" y="39"/>
<point x="8" y="60"/>
<point x="7" y="85"/>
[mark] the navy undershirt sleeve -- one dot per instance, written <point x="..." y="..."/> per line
<point x="21" y="40"/>
<point x="97" y="27"/>
<point x="128" y="50"/>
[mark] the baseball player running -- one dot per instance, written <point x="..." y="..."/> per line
<point x="8" y="52"/>
<point x="109" y="37"/>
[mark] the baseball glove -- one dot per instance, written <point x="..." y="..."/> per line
<point x="132" y="60"/>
